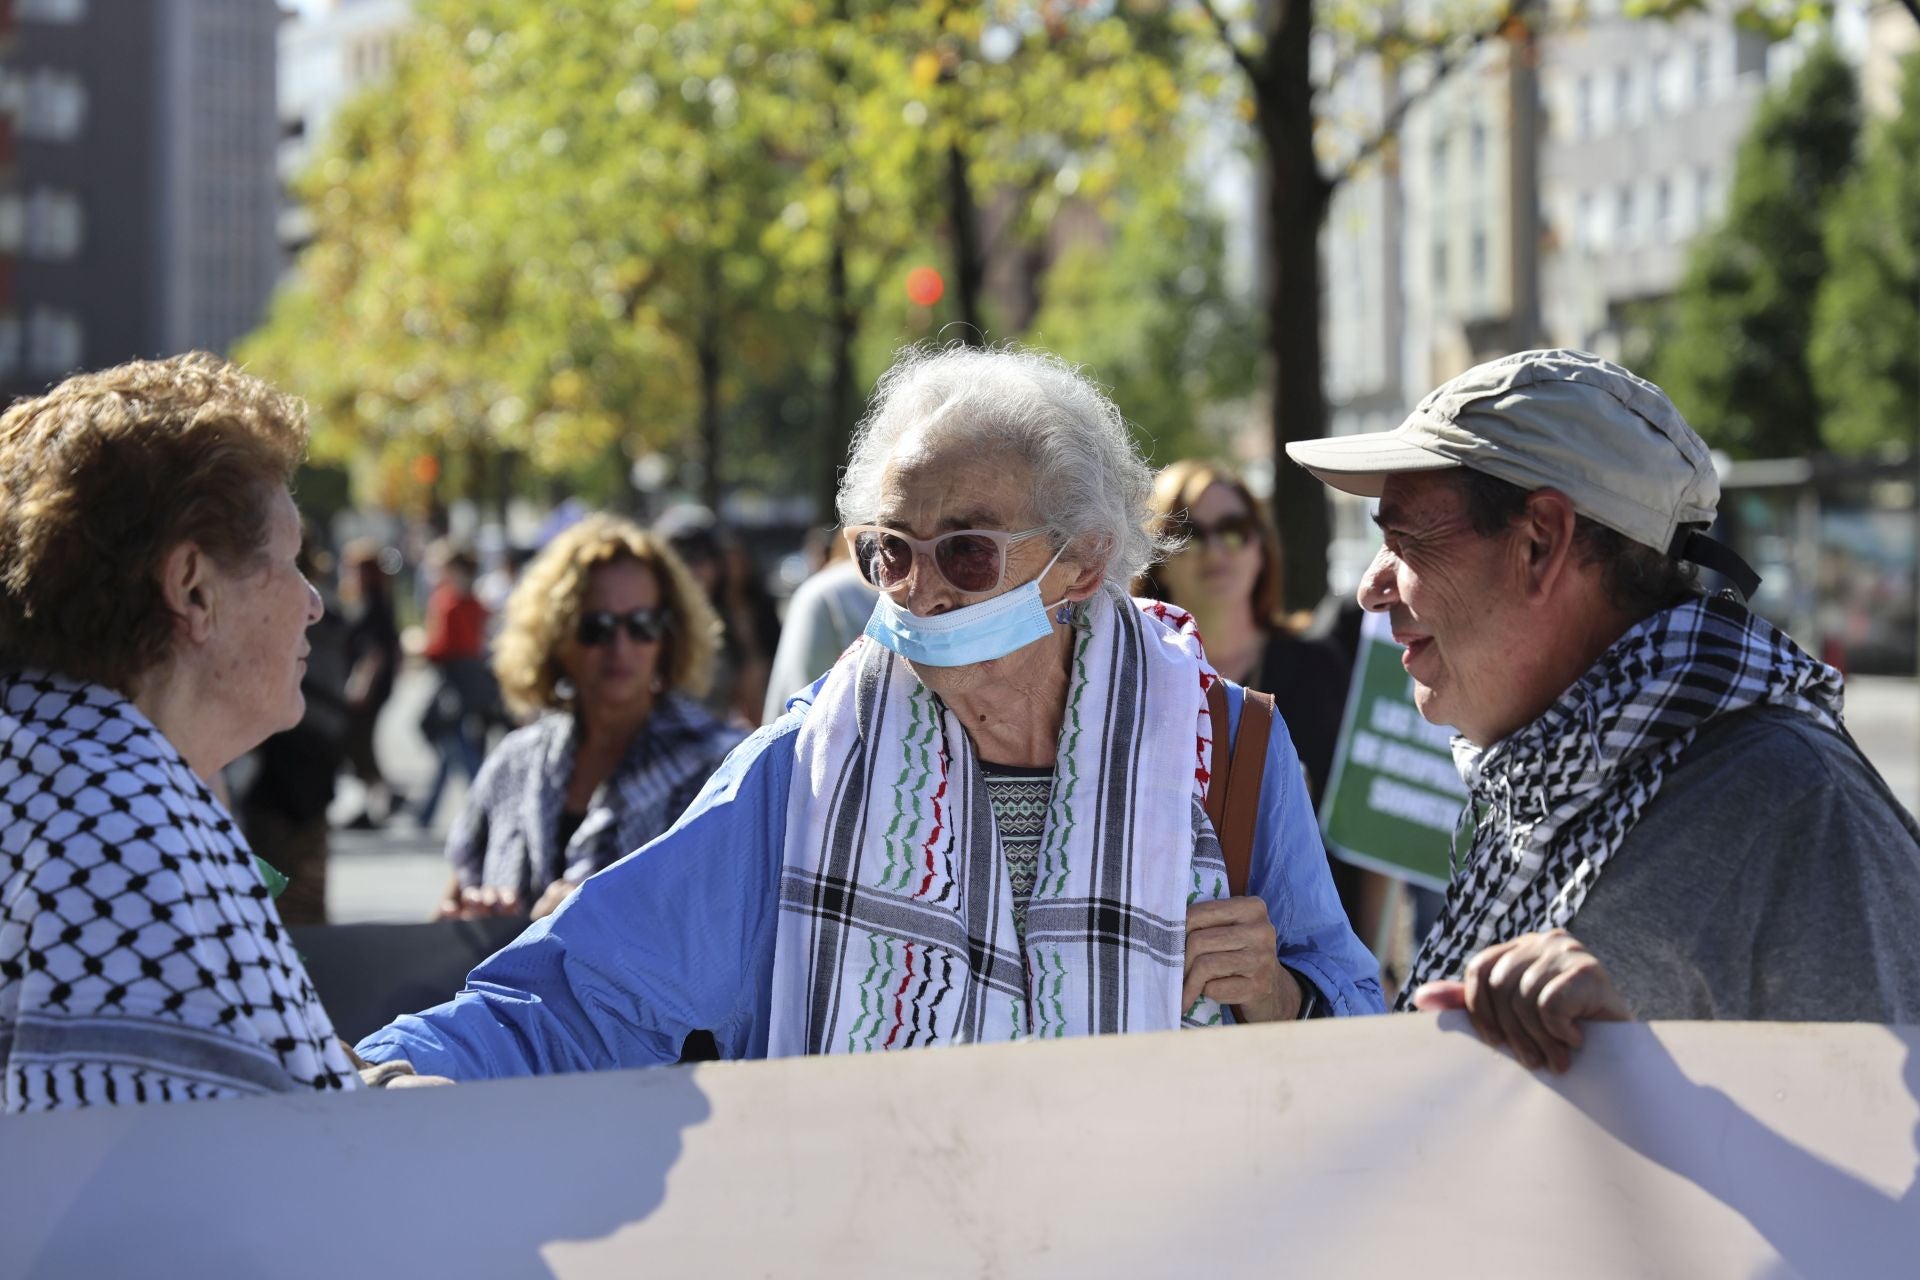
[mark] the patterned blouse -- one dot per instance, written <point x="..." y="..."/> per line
<point x="507" y="834"/>
<point x="141" y="958"/>
<point x="1019" y="796"/>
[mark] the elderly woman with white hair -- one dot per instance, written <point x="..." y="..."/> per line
<point x="986" y="822"/>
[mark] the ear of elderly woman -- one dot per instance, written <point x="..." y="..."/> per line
<point x="983" y="824"/>
<point x="152" y="629"/>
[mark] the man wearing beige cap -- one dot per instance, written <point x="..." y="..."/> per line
<point x="1667" y="818"/>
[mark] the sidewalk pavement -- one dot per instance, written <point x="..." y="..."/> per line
<point x="1883" y="714"/>
<point x="396" y="874"/>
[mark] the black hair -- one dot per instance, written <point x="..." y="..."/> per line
<point x="1639" y="580"/>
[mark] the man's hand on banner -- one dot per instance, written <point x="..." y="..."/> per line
<point x="1531" y="994"/>
<point x="1233" y="957"/>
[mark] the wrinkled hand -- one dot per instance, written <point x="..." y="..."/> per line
<point x="395" y="1073"/>
<point x="1530" y="995"/>
<point x="1233" y="957"/>
<point x="477" y="902"/>
<point x="557" y="892"/>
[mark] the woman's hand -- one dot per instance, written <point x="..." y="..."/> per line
<point x="1530" y="995"/>
<point x="557" y="892"/>
<point x="1233" y="957"/>
<point x="449" y="907"/>
<point x="476" y="902"/>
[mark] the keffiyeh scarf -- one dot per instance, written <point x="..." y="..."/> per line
<point x="140" y="956"/>
<point x="896" y="912"/>
<point x="1551" y="803"/>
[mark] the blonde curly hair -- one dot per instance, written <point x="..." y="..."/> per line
<point x="544" y="609"/>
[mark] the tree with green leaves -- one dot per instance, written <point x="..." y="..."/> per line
<point x="570" y="232"/>
<point x="1147" y="310"/>
<point x="580" y="263"/>
<point x="1865" y="350"/>
<point x="1737" y="362"/>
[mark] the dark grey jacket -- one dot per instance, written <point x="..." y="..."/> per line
<point x="1773" y="878"/>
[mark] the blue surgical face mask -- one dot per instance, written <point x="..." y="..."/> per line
<point x="975" y="633"/>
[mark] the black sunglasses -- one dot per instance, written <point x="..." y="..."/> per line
<point x="643" y="626"/>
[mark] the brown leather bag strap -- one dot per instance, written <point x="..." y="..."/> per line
<point x="1221" y="758"/>
<point x="1245" y="771"/>
<point x="1233" y="789"/>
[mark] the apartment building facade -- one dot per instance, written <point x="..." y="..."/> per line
<point x="137" y="193"/>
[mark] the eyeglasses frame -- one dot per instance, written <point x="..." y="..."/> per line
<point x="923" y="548"/>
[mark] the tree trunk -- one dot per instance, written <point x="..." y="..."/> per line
<point x="1297" y="196"/>
<point x="1523" y="185"/>
<point x="437" y="515"/>
<point x="836" y="427"/>
<point x="707" y="353"/>
<point x="835" y="431"/>
<point x="504" y="465"/>
<point x="969" y="265"/>
<point x="478" y="472"/>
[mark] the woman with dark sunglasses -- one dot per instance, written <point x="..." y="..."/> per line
<point x="986" y="822"/>
<point x="607" y="634"/>
<point x="1226" y="573"/>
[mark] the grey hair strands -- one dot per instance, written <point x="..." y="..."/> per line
<point x="1090" y="482"/>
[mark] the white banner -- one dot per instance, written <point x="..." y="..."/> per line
<point x="1374" y="1147"/>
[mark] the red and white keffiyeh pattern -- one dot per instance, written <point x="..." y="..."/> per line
<point x="896" y="913"/>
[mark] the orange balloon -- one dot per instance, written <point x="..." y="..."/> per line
<point x="925" y="287"/>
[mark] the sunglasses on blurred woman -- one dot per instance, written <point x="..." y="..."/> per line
<point x="643" y="626"/>
<point x="1229" y="533"/>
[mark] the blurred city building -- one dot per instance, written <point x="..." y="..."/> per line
<point x="1888" y="36"/>
<point x="137" y="193"/>
<point x="1547" y="192"/>
<point x="328" y="51"/>
<point x="1645" y="120"/>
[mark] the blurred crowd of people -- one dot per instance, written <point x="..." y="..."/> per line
<point x="506" y="646"/>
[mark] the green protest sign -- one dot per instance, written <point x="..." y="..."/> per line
<point x="1393" y="795"/>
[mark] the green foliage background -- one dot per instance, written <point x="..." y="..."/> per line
<point x="568" y="233"/>
<point x="1865" y="350"/>
<point x="1735" y="361"/>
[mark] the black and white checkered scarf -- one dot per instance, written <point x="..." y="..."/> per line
<point x="1551" y="803"/>
<point x="141" y="959"/>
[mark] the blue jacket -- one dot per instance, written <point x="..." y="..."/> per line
<point x="678" y="936"/>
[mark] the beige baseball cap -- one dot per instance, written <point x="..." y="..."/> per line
<point x="1608" y="439"/>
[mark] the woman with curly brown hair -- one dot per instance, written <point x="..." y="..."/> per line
<point x="152" y="629"/>
<point x="608" y="634"/>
